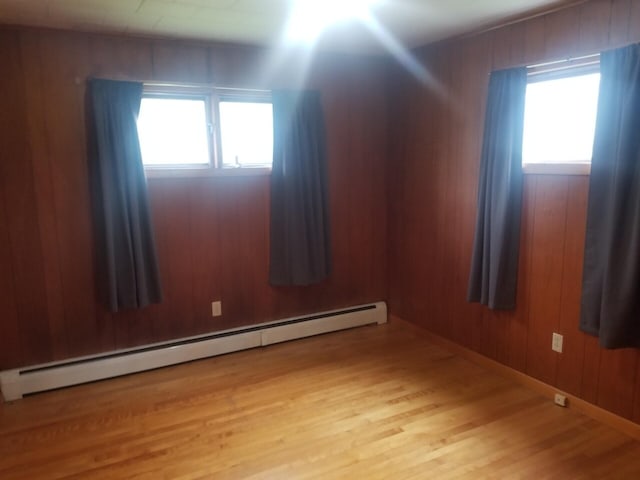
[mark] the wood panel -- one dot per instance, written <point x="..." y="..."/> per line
<point x="65" y="64"/>
<point x="549" y="224"/>
<point x="519" y="323"/>
<point x="368" y="193"/>
<point x="246" y="263"/>
<point x="11" y="349"/>
<point x="494" y="326"/>
<point x="205" y="233"/>
<point x="633" y="32"/>
<point x="44" y="195"/>
<point x="562" y="34"/>
<point x="212" y="233"/>
<point x="595" y="23"/>
<point x="181" y="62"/>
<point x="616" y="383"/>
<point x="385" y="403"/>
<point x="590" y="370"/>
<point x="122" y="58"/>
<point x="636" y="395"/>
<point x="435" y="186"/>
<point x="171" y="219"/>
<point x="619" y="19"/>
<point x="21" y="212"/>
<point x="573" y="353"/>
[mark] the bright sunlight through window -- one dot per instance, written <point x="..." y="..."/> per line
<point x="560" y="119"/>
<point x="246" y="134"/>
<point x="173" y="132"/>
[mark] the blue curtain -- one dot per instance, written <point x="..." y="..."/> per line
<point x="121" y="208"/>
<point x="610" y="307"/>
<point x="300" y="235"/>
<point x="494" y="267"/>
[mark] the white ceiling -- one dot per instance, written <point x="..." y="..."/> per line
<point x="412" y="22"/>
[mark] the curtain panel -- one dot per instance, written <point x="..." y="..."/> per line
<point x="494" y="266"/>
<point x="300" y="248"/>
<point x="610" y="306"/>
<point x="126" y="247"/>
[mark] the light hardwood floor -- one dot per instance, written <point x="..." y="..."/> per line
<point x="370" y="403"/>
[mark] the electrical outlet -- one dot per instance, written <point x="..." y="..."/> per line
<point x="216" y="308"/>
<point x="556" y="342"/>
<point x="560" y="399"/>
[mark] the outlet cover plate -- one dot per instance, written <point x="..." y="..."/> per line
<point x="556" y="342"/>
<point x="560" y="399"/>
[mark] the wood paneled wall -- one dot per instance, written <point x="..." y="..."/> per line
<point x="212" y="232"/>
<point x="435" y="152"/>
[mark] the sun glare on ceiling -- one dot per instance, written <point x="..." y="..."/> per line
<point x="309" y="18"/>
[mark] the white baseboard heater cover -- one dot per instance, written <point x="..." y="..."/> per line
<point x="38" y="378"/>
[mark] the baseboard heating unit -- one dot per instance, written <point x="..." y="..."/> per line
<point x="38" y="378"/>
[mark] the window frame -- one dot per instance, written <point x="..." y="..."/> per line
<point x="554" y="71"/>
<point x="212" y="97"/>
<point x="193" y="168"/>
<point x="239" y="96"/>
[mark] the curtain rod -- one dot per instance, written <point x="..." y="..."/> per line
<point x="592" y="56"/>
<point x="158" y="83"/>
<point x="583" y="61"/>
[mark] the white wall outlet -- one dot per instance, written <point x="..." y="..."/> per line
<point x="560" y="399"/>
<point x="556" y="342"/>
<point x="216" y="308"/>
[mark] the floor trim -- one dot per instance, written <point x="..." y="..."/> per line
<point x="575" y="403"/>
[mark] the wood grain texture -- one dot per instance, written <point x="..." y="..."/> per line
<point x="403" y="166"/>
<point x="636" y="395"/>
<point x="519" y="323"/>
<point x="549" y="226"/>
<point x="437" y="152"/>
<point x="562" y="33"/>
<point x="573" y="353"/>
<point x="65" y="62"/>
<point x="9" y="332"/>
<point x="574" y="402"/>
<point x="44" y="194"/>
<point x="21" y="212"/>
<point x="384" y="403"/>
<point x="595" y="24"/>
<point x="212" y="233"/>
<point x="619" y="22"/>
<point x="616" y="380"/>
<point x="590" y="385"/>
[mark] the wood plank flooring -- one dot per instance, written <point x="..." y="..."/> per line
<point x="370" y="403"/>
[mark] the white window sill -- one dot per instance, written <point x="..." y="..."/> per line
<point x="557" y="168"/>
<point x="151" y="172"/>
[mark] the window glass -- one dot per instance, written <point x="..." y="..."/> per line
<point x="246" y="133"/>
<point x="174" y="132"/>
<point x="560" y="119"/>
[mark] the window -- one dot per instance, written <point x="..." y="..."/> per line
<point x="173" y="131"/>
<point x="559" y="121"/>
<point x="198" y="130"/>
<point x="240" y="121"/>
